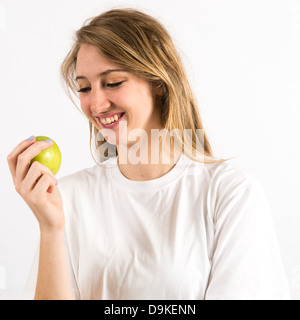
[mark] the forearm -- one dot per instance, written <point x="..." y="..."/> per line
<point x="53" y="281"/>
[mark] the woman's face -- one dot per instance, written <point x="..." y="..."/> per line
<point x="109" y="95"/>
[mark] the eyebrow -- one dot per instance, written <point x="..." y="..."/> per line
<point x="101" y="74"/>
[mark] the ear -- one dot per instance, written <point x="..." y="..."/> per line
<point x="158" y="88"/>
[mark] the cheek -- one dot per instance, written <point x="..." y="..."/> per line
<point x="139" y="107"/>
<point x="84" y="107"/>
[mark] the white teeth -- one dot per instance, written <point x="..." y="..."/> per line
<point x="109" y="120"/>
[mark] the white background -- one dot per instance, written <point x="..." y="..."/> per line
<point x="242" y="57"/>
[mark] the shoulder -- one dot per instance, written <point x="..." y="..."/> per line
<point x="221" y="175"/>
<point x="226" y="177"/>
<point x="225" y="183"/>
<point x="233" y="191"/>
<point x="80" y="174"/>
<point x="85" y="178"/>
<point x="80" y="177"/>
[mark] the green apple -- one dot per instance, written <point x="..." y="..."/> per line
<point x="50" y="157"/>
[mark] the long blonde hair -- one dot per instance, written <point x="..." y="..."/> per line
<point x="139" y="43"/>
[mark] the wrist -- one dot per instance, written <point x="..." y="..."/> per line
<point x="53" y="226"/>
<point x="47" y="231"/>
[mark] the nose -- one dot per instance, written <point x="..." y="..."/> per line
<point x="99" y="102"/>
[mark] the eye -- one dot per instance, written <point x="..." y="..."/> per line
<point x="84" y="89"/>
<point x="114" y="85"/>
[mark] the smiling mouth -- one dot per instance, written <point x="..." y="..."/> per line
<point x="110" y="121"/>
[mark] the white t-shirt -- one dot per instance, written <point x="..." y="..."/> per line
<point x="201" y="231"/>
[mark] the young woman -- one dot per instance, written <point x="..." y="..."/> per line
<point x="158" y="217"/>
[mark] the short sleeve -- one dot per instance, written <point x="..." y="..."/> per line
<point x="29" y="290"/>
<point x="245" y="262"/>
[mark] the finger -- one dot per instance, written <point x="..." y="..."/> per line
<point x="34" y="174"/>
<point x="24" y="159"/>
<point x="45" y="184"/>
<point x="13" y="156"/>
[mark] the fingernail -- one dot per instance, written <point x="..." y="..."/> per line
<point x="49" y="141"/>
<point x="30" y="138"/>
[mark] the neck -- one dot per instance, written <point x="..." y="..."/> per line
<point x="146" y="161"/>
